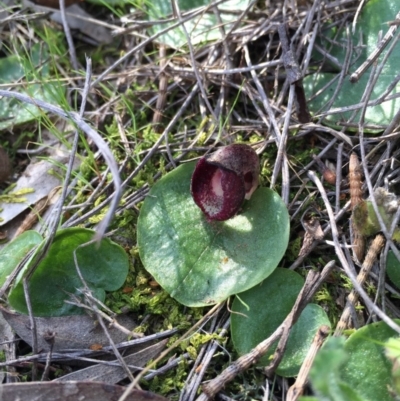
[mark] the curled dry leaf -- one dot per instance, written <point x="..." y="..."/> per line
<point x="313" y="231"/>
<point x="387" y="200"/>
<point x="365" y="219"/>
<point x="222" y="180"/>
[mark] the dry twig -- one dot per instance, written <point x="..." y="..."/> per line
<point x="296" y="390"/>
<point x="370" y="259"/>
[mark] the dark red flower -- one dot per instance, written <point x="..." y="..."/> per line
<point x="221" y="181"/>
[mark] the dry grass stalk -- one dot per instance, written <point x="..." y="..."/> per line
<point x="373" y="252"/>
<point x="33" y="215"/>
<point x="356" y="196"/>
<point x="355" y="181"/>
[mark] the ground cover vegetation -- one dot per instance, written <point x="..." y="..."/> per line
<point x="122" y="258"/>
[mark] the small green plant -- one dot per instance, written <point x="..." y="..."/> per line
<point x="202" y="244"/>
<point x="33" y="66"/>
<point x="201" y="262"/>
<point x="103" y="266"/>
<point x="204" y="248"/>
<point x="355" y="369"/>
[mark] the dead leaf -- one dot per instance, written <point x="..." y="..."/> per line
<point x="313" y="230"/>
<point x="71" y="332"/>
<point x="114" y="374"/>
<point x="71" y="391"/>
<point x="39" y="178"/>
<point x="9" y="348"/>
<point x="77" y="19"/>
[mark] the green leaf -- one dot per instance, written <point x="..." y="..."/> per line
<point x="393" y="268"/>
<point x="325" y="374"/>
<point x="103" y="267"/>
<point x="32" y="66"/>
<point x="13" y="253"/>
<point x="392" y="349"/>
<point x="114" y="2"/>
<point x="259" y="311"/>
<point x="199" y="262"/>
<point x="308" y="398"/>
<point x="367" y="370"/>
<point x="203" y="28"/>
<point x="300" y="339"/>
<point x="373" y="18"/>
<point x="356" y="369"/>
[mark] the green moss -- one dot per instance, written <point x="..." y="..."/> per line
<point x="293" y="249"/>
<point x="346" y="282"/>
<point x="144" y="300"/>
<point x="171" y="383"/>
<point x="17" y="196"/>
<point x="323" y="295"/>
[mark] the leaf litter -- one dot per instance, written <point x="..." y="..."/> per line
<point x="247" y="87"/>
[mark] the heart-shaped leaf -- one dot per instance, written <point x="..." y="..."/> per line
<point x="13" y="253"/>
<point x="258" y="312"/>
<point x="104" y="268"/>
<point x="373" y="18"/>
<point x="200" y="262"/>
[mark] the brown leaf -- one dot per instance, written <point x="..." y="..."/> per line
<point x="5" y="165"/>
<point x="313" y="230"/>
